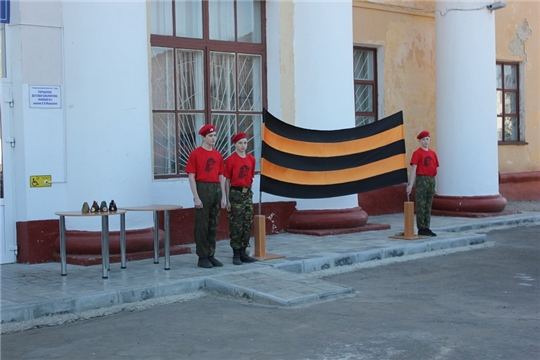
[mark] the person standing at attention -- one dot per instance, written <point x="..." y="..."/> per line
<point x="205" y="168"/>
<point x="424" y="164"/>
<point x="239" y="173"/>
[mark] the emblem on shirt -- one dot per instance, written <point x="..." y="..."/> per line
<point x="244" y="172"/>
<point x="210" y="163"/>
<point x="428" y="161"/>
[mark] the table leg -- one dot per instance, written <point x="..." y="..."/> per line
<point x="167" y="240"/>
<point x="105" y="246"/>
<point x="123" y="241"/>
<point x="156" y="237"/>
<point x="63" y="261"/>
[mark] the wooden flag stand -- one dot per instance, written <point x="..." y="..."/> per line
<point x="408" y="233"/>
<point x="260" y="240"/>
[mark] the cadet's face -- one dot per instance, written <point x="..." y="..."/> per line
<point x="210" y="138"/>
<point x="241" y="145"/>
<point x="424" y="142"/>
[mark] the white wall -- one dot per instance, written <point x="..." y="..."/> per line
<point x="98" y="146"/>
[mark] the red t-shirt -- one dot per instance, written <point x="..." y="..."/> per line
<point x="240" y="170"/>
<point x="207" y="165"/>
<point x="426" y="162"/>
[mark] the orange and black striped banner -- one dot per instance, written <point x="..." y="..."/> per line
<point x="312" y="164"/>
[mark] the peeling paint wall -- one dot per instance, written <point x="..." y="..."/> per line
<point x="405" y="39"/>
<point x="406" y="46"/>
<point x="518" y="39"/>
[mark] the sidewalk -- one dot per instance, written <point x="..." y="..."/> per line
<point x="37" y="294"/>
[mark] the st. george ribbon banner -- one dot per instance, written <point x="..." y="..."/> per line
<point x="312" y="164"/>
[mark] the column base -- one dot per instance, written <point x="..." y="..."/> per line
<point x="331" y="222"/>
<point x="84" y="247"/>
<point x="470" y="206"/>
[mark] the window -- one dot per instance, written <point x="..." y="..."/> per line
<point x="365" y="85"/>
<point x="208" y="61"/>
<point x="508" y="122"/>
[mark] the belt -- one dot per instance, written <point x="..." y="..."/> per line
<point x="243" y="189"/>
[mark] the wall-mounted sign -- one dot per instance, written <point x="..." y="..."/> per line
<point x="41" y="181"/>
<point x="45" y="97"/>
<point x="4" y="11"/>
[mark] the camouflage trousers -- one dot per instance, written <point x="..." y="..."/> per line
<point x="206" y="219"/>
<point x="425" y="190"/>
<point x="240" y="218"/>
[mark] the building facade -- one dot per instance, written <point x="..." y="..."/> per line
<point x="102" y="101"/>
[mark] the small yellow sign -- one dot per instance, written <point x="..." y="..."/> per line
<point x="40" y="181"/>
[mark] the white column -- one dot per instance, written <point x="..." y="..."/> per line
<point x="323" y="75"/>
<point x="466" y="135"/>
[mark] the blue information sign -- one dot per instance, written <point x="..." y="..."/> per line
<point x="4" y="11"/>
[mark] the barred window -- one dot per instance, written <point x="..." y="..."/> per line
<point x="508" y="119"/>
<point x="208" y="61"/>
<point x="365" y="85"/>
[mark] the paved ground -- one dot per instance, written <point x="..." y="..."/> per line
<point x="36" y="295"/>
<point x="475" y="305"/>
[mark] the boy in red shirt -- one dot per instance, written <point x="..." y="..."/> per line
<point x="205" y="169"/>
<point x="239" y="173"/>
<point x="424" y="164"/>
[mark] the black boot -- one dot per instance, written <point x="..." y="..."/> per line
<point x="215" y="262"/>
<point x="244" y="257"/>
<point x="236" y="257"/>
<point x="204" y="263"/>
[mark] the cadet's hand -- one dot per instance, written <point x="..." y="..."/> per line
<point x="198" y="203"/>
<point x="409" y="188"/>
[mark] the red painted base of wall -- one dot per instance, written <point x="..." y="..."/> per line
<point x="38" y="241"/>
<point x="35" y="241"/>
<point x="389" y="200"/>
<point x="523" y="186"/>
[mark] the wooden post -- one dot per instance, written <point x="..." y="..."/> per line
<point x="409" y="219"/>
<point x="260" y="236"/>
<point x="259" y="226"/>
<point x="408" y="233"/>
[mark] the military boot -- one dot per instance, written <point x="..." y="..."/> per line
<point x="244" y="257"/>
<point x="236" y="257"/>
<point x="215" y="262"/>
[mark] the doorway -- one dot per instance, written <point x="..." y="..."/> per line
<point x="8" y="239"/>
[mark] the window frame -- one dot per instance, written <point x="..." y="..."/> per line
<point x="373" y="83"/>
<point x="208" y="46"/>
<point x="504" y="114"/>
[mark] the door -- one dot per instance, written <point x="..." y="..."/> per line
<point x="8" y="238"/>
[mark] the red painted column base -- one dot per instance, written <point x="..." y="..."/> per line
<point x="331" y="222"/>
<point x="84" y="247"/>
<point x="470" y="206"/>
